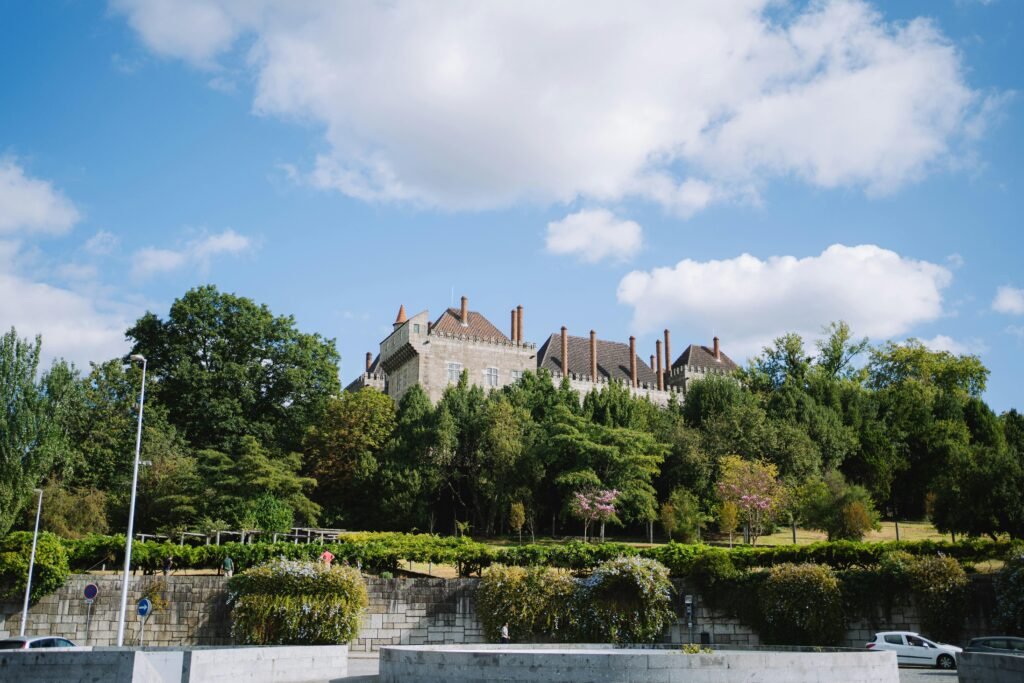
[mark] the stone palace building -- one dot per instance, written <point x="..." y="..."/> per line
<point x="434" y="353"/>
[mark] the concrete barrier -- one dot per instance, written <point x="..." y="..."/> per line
<point x="74" y="666"/>
<point x="286" y="664"/>
<point x="608" y="664"/>
<point x="984" y="667"/>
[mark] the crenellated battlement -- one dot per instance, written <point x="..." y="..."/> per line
<point x="493" y="341"/>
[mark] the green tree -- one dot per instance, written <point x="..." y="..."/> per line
<point x="517" y="518"/>
<point x="682" y="514"/>
<point x="842" y="510"/>
<point x="29" y="431"/>
<point x="753" y="487"/>
<point x="227" y="368"/>
<point x="342" y="451"/>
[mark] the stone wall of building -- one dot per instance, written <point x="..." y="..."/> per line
<point x="401" y="612"/>
<point x="475" y="355"/>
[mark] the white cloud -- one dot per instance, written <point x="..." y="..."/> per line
<point x="80" y="326"/>
<point x="942" y="342"/>
<point x="153" y="261"/>
<point x="32" y="205"/>
<point x="594" y="235"/>
<point x="478" y="105"/>
<point x="748" y="301"/>
<point x="102" y="243"/>
<point x="1009" y="300"/>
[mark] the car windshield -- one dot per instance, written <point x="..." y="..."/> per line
<point x="12" y="644"/>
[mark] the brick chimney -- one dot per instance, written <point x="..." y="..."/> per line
<point x="718" y="351"/>
<point x="565" y="351"/>
<point x="593" y="356"/>
<point x="515" y="327"/>
<point x="668" y="359"/>
<point x="519" y="321"/>
<point x="632" y="361"/>
<point x="652" y="361"/>
<point x="464" y="313"/>
<point x="369" y="360"/>
<point x="661" y="377"/>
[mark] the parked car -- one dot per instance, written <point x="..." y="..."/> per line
<point x="997" y="645"/>
<point x="912" y="648"/>
<point x="33" y="642"/>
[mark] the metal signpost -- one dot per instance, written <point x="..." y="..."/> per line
<point x="145" y="607"/>
<point x="90" y="592"/>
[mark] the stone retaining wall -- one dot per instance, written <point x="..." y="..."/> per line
<point x="401" y="612"/>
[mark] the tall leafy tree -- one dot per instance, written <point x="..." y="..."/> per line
<point x="227" y="368"/>
<point x="30" y="434"/>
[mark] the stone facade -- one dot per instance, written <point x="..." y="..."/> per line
<point x="434" y="353"/>
<point x="422" y="352"/>
<point x="401" y="612"/>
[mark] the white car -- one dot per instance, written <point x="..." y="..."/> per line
<point x="912" y="648"/>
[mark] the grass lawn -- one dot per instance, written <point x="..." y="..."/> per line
<point x="909" y="531"/>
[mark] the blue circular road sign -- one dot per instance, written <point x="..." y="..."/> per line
<point x="91" y="591"/>
<point x="145" y="607"/>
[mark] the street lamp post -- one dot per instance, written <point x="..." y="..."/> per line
<point x="131" y="508"/>
<point x="31" y="564"/>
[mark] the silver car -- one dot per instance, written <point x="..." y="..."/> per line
<point x="33" y="642"/>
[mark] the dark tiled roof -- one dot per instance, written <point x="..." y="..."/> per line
<point x="479" y="326"/>
<point x="375" y="366"/>
<point x="612" y="359"/>
<point x="703" y="357"/>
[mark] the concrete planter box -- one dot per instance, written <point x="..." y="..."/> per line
<point x="607" y="664"/>
<point x="286" y="664"/>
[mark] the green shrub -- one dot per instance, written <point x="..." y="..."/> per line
<point x="51" y="564"/>
<point x="939" y="585"/>
<point x="801" y="604"/>
<point x="1010" y="596"/>
<point x="287" y="602"/>
<point x="627" y="599"/>
<point x="535" y="602"/>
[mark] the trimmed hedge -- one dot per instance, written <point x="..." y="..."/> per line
<point x="379" y="552"/>
<point x="801" y="604"/>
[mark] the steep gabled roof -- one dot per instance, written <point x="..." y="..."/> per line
<point x="612" y="359"/>
<point x="449" y="322"/>
<point x="703" y="357"/>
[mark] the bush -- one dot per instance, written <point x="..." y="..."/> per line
<point x="801" y="604"/>
<point x="51" y="565"/>
<point x="535" y="602"/>
<point x="625" y="600"/>
<point x="939" y="585"/>
<point x="287" y="602"/>
<point x="1010" y="596"/>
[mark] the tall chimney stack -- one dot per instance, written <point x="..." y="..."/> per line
<point x="593" y="356"/>
<point x="519" y="321"/>
<point x="464" y="314"/>
<point x="515" y="327"/>
<point x="565" y="352"/>
<point x="718" y="351"/>
<point x="668" y="359"/>
<point x="369" y="360"/>
<point x="661" y="377"/>
<point x="652" y="361"/>
<point x="632" y="361"/>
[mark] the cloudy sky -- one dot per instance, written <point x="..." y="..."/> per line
<point x="738" y="169"/>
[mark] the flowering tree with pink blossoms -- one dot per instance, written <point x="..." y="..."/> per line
<point x="754" y="488"/>
<point x="593" y="506"/>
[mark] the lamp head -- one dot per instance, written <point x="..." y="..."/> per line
<point x="138" y="357"/>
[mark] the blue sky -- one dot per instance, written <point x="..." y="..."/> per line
<point x="740" y="169"/>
